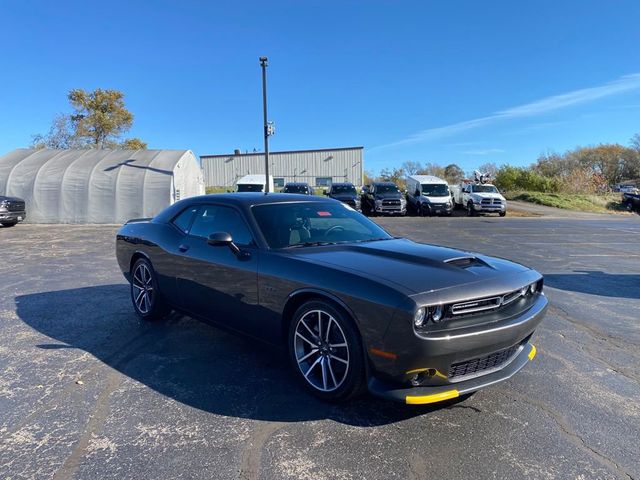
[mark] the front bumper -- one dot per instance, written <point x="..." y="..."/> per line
<point x="12" y="216"/>
<point x="391" y="210"/>
<point x="439" y="208"/>
<point x="415" y="364"/>
<point x="489" y="208"/>
<point x="425" y="395"/>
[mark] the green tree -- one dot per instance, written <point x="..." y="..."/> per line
<point x="133" y="144"/>
<point x="98" y="120"/>
<point x="453" y="173"/>
<point x="99" y="116"/>
<point x="396" y="176"/>
<point x="411" y="168"/>
<point x="60" y="135"/>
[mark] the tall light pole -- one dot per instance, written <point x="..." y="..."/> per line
<point x="263" y="64"/>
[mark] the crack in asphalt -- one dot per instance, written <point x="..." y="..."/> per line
<point x="594" y="332"/>
<point x="571" y="435"/>
<point x="252" y="453"/>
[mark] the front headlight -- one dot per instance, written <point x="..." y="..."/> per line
<point x="379" y="202"/>
<point x="403" y="201"/>
<point x="419" y="317"/>
<point x="448" y="204"/>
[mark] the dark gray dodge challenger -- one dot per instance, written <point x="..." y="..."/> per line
<point x="354" y="307"/>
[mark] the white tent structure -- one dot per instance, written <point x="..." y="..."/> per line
<point x="98" y="186"/>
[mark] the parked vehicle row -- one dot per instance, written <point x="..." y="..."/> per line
<point x="426" y="195"/>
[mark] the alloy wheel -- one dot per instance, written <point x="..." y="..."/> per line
<point x="142" y="285"/>
<point x="321" y="350"/>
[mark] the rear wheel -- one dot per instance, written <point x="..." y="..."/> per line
<point x="326" y="352"/>
<point x="145" y="296"/>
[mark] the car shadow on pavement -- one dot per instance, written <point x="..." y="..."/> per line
<point x="189" y="361"/>
<point x="617" y="285"/>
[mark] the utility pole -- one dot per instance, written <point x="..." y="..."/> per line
<point x="267" y="127"/>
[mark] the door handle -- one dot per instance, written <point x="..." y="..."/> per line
<point x="183" y="247"/>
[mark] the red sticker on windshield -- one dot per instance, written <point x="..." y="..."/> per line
<point x="324" y="214"/>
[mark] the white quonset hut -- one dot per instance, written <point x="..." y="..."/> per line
<point x="98" y="186"/>
<point x="319" y="168"/>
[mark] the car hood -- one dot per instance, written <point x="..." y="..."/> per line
<point x="487" y="195"/>
<point x="414" y="267"/>
<point x="384" y="196"/>
<point x="11" y="199"/>
<point x="433" y="199"/>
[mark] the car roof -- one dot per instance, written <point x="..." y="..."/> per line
<point x="241" y="200"/>
<point x="384" y="183"/>
<point x="297" y="183"/>
<point x="342" y="184"/>
<point x="427" y="178"/>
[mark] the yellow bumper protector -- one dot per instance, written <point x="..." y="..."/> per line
<point x="533" y="351"/>
<point x="433" y="398"/>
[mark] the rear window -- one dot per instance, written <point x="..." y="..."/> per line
<point x="250" y="187"/>
<point x="183" y="220"/>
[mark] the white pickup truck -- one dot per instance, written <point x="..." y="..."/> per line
<point x="479" y="198"/>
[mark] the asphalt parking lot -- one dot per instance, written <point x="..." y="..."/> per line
<point x="89" y="391"/>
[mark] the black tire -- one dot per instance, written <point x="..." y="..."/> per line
<point x="9" y="224"/>
<point x="502" y="214"/>
<point x="470" y="211"/>
<point x="145" y="296"/>
<point x="326" y="378"/>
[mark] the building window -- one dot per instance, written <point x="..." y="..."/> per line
<point x="278" y="182"/>
<point x="323" y="181"/>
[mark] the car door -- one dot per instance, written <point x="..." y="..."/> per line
<point x="213" y="282"/>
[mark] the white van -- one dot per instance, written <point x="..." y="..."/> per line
<point x="428" y="195"/>
<point x="254" y="183"/>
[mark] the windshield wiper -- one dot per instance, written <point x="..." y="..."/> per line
<point x="374" y="239"/>
<point x="310" y="244"/>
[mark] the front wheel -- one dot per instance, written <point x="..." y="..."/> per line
<point x="502" y="214"/>
<point x="326" y="352"/>
<point x="12" y="223"/>
<point x="145" y="296"/>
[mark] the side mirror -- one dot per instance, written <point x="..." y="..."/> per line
<point x="223" y="238"/>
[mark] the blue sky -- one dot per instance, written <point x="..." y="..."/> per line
<point x="459" y="81"/>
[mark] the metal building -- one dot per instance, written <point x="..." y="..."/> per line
<point x="319" y="168"/>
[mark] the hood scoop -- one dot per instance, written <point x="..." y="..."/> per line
<point x="466" y="262"/>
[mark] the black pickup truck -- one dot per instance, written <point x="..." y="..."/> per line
<point x="631" y="201"/>
<point x="12" y="211"/>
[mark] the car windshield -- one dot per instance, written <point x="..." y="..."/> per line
<point x="250" y="187"/>
<point x="306" y="224"/>
<point x="387" y="189"/>
<point x="435" y="190"/>
<point x="338" y="189"/>
<point x="485" y="189"/>
<point x="295" y="189"/>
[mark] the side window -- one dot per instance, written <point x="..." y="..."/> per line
<point x="213" y="218"/>
<point x="183" y="220"/>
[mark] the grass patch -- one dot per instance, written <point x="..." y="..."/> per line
<point x="607" y="203"/>
<point x="209" y="190"/>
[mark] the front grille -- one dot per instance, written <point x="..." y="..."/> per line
<point x="15" y="206"/>
<point x="391" y="202"/>
<point x="482" y="365"/>
<point x="491" y="201"/>
<point x="476" y="305"/>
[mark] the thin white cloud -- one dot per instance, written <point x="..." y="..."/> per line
<point x="623" y="84"/>
<point x="486" y="151"/>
